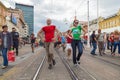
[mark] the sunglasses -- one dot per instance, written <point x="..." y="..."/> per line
<point x="76" y="22"/>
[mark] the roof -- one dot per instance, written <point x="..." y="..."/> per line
<point x="3" y="5"/>
<point x="24" y="4"/>
<point x="111" y="16"/>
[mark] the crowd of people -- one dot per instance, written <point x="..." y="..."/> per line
<point x="71" y="42"/>
<point x="10" y="41"/>
<point x="105" y="41"/>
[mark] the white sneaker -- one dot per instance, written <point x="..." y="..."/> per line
<point x="75" y="65"/>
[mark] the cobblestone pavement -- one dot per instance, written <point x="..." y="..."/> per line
<point x="26" y="53"/>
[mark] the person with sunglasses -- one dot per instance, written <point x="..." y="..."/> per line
<point x="76" y="41"/>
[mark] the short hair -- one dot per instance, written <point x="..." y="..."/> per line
<point x="13" y="28"/>
<point x="4" y="26"/>
<point x="32" y="34"/>
<point x="99" y="29"/>
<point x="76" y="21"/>
<point x="49" y="19"/>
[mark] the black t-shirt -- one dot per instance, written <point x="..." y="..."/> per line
<point x="93" y="36"/>
<point x="15" y="36"/>
<point x="33" y="39"/>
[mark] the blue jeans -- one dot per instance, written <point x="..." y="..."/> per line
<point x="117" y="43"/>
<point x="4" y="54"/>
<point x="94" y="44"/>
<point x="77" y="44"/>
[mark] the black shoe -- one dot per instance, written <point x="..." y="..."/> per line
<point x="53" y="62"/>
<point x="95" y="54"/>
<point x="50" y="66"/>
<point x="100" y="54"/>
<point x="32" y="51"/>
<point x="78" y="62"/>
<point x="92" y="53"/>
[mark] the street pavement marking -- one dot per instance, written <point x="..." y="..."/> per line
<point x="7" y="74"/>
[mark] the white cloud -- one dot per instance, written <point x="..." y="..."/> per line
<point x="59" y="10"/>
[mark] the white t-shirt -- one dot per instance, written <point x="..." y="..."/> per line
<point x="101" y="37"/>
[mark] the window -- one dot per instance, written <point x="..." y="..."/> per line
<point x="0" y="20"/>
<point x="117" y="22"/>
<point x="107" y="24"/>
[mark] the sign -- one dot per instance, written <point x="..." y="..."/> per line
<point x="13" y="19"/>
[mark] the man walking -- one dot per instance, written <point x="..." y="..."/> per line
<point x="94" y="43"/>
<point x="49" y="39"/>
<point x="15" y="36"/>
<point x="32" y="38"/>
<point x="6" y="43"/>
<point x="100" y="39"/>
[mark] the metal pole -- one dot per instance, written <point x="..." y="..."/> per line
<point x="88" y="27"/>
<point x="97" y="14"/>
<point x="75" y="15"/>
<point x="51" y="9"/>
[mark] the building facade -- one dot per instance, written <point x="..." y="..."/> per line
<point x="110" y="23"/>
<point x="28" y="11"/>
<point x="93" y="26"/>
<point x="26" y="31"/>
<point x="17" y="20"/>
<point x="3" y="13"/>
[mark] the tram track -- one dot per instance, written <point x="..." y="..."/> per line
<point x="39" y="69"/>
<point x="43" y="69"/>
<point x="76" y="71"/>
<point x="71" y="72"/>
<point x="42" y="66"/>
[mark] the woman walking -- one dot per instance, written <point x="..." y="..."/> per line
<point x="116" y="42"/>
<point x="76" y="42"/>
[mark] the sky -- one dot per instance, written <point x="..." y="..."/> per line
<point x="62" y="12"/>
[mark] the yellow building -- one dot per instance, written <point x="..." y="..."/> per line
<point x="110" y="23"/>
<point x="3" y="12"/>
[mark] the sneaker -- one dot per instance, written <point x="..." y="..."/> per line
<point x="3" y="67"/>
<point x="53" y="62"/>
<point x="50" y="66"/>
<point x="75" y="65"/>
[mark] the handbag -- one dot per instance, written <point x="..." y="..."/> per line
<point x="11" y="56"/>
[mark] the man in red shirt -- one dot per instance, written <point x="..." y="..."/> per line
<point x="49" y="39"/>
